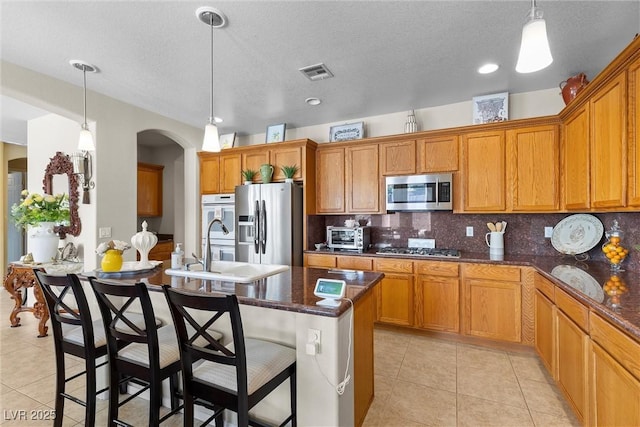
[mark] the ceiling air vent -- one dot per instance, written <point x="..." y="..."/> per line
<point x="316" y="72"/>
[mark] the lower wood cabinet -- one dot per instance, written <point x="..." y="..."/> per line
<point x="395" y="291"/>
<point x="545" y="331"/>
<point x="572" y="363"/>
<point x="437" y="296"/>
<point x="320" y="260"/>
<point x="492" y="305"/>
<point x="615" y="376"/>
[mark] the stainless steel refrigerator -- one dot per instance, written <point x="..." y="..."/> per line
<point x="269" y="223"/>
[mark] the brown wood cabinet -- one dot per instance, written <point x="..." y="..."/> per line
<point x="533" y="164"/>
<point x="398" y="158"/>
<point x="161" y="251"/>
<point x="210" y="174"/>
<point x="483" y="171"/>
<point x="492" y="305"/>
<point x="438" y="154"/>
<point x="437" y="299"/>
<point x="149" y="189"/>
<point x="609" y="144"/>
<point x="545" y="323"/>
<point x="575" y="160"/>
<point x="230" y="173"/>
<point x="320" y="260"/>
<point x="633" y="191"/>
<point x="615" y="376"/>
<point x="330" y="181"/>
<point x="363" y="179"/>
<point x="253" y="159"/>
<point x="395" y="291"/>
<point x="289" y="156"/>
<point x="572" y="347"/>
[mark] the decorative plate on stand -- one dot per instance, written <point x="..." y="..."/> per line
<point x="577" y="234"/>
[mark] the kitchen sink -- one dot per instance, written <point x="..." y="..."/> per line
<point x="231" y="271"/>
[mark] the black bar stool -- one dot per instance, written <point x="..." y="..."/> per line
<point x="151" y="355"/>
<point x="235" y="376"/>
<point x="73" y="333"/>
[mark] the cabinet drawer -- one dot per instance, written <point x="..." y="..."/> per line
<point x="620" y="346"/>
<point x="573" y="309"/>
<point x="322" y="261"/>
<point x="493" y="272"/>
<point x="393" y="265"/>
<point x="437" y="268"/>
<point x="544" y="286"/>
<point x="355" y="263"/>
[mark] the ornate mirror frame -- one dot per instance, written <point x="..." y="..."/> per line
<point x="61" y="164"/>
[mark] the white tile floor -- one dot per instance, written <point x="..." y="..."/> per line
<point x="419" y="382"/>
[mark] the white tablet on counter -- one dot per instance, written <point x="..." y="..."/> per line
<point x="331" y="290"/>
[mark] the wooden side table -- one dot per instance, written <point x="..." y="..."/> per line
<point x="21" y="276"/>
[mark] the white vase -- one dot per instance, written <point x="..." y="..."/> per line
<point x="42" y="242"/>
<point x="288" y="180"/>
<point x="143" y="242"/>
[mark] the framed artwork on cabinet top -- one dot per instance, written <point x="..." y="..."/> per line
<point x="275" y="133"/>
<point x="346" y="132"/>
<point x="491" y="108"/>
<point x="227" y="140"/>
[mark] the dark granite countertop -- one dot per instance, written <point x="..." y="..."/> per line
<point x="291" y="290"/>
<point x="583" y="280"/>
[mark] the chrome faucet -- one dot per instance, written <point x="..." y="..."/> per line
<point x="206" y="257"/>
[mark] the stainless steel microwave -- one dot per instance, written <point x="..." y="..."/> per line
<point x="349" y="238"/>
<point x="432" y="192"/>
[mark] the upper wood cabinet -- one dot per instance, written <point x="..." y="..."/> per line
<point x="609" y="144"/>
<point x="330" y="180"/>
<point x="230" y="173"/>
<point x="289" y="156"/>
<point x="575" y="160"/>
<point x="210" y="174"/>
<point x="437" y="154"/>
<point x="483" y="171"/>
<point x="363" y="179"/>
<point x="253" y="159"/>
<point x="149" y="189"/>
<point x="398" y="158"/>
<point x="533" y="155"/>
<point x="633" y="78"/>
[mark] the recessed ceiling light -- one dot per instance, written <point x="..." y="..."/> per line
<point x="488" y="68"/>
<point x="313" y="101"/>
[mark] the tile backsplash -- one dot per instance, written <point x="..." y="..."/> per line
<point x="524" y="234"/>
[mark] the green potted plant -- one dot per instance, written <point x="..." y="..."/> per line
<point x="248" y="175"/>
<point x="289" y="172"/>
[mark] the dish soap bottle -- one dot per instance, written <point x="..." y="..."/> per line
<point x="177" y="257"/>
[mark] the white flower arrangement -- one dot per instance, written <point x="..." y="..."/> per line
<point x="117" y="245"/>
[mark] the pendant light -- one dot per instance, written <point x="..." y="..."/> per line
<point x="534" y="49"/>
<point x="214" y="19"/>
<point x="85" y="142"/>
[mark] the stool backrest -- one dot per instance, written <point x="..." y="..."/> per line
<point x="67" y="304"/>
<point x="116" y="301"/>
<point x="192" y="315"/>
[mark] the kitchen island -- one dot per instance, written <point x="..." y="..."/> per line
<point x="282" y="308"/>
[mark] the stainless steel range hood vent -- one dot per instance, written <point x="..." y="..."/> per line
<point x="316" y="72"/>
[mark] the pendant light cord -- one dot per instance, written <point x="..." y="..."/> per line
<point x="211" y="119"/>
<point x="84" y="86"/>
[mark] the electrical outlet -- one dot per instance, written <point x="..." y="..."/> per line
<point x="313" y="342"/>
<point x="548" y="232"/>
<point x="469" y="231"/>
<point x="104" y="232"/>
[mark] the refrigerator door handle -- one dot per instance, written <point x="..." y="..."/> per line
<point x="256" y="227"/>
<point x="263" y="227"/>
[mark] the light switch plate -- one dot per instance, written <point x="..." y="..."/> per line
<point x="469" y="231"/>
<point x="104" y="232"/>
<point x="548" y="232"/>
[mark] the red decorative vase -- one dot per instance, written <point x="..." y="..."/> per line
<point x="572" y="86"/>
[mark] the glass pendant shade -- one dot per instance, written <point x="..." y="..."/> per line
<point x="211" y="140"/>
<point x="85" y="142"/>
<point x="534" y="49"/>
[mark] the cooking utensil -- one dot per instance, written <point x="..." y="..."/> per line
<point x="504" y="226"/>
<point x="498" y="226"/>
<point x="492" y="226"/>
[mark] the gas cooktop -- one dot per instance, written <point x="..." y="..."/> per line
<point x="425" y="252"/>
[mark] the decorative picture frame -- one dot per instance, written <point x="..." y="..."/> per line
<point x="491" y="108"/>
<point x="275" y="133"/>
<point x="346" y="132"/>
<point x="227" y="140"/>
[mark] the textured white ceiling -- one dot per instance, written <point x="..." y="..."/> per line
<point x="387" y="56"/>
